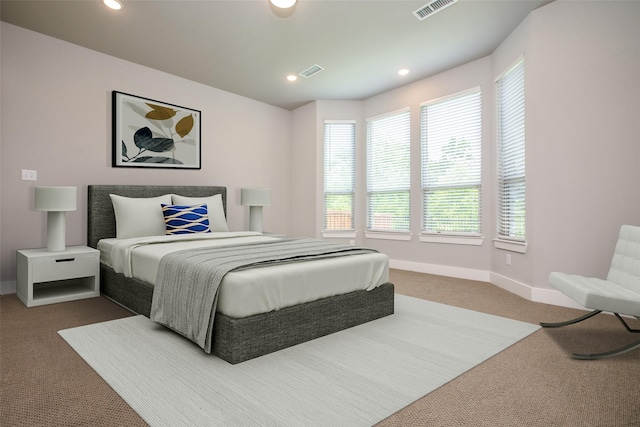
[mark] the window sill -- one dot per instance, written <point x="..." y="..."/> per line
<point x="339" y="234"/>
<point x="452" y="239"/>
<point x="511" y="245"/>
<point x="384" y="235"/>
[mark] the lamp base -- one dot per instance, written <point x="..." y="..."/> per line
<point x="255" y="218"/>
<point x="56" y="231"/>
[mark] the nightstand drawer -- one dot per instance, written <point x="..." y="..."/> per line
<point x="68" y="267"/>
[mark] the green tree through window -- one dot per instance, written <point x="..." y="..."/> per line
<point x="451" y="164"/>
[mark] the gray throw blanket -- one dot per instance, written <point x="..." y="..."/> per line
<point x="186" y="290"/>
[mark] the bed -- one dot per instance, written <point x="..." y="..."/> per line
<point x="234" y="339"/>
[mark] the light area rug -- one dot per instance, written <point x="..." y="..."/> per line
<point x="355" y="377"/>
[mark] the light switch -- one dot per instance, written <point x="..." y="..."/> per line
<point x="29" y="175"/>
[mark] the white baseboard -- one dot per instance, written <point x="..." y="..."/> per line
<point x="441" y="270"/>
<point x="546" y="296"/>
<point x="8" y="287"/>
<point x="554" y="297"/>
<point x="513" y="286"/>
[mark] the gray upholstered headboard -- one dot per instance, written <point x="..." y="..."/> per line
<point x="101" y="221"/>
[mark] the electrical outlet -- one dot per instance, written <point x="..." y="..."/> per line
<point x="508" y="259"/>
<point x="352" y="242"/>
<point x="29" y="175"/>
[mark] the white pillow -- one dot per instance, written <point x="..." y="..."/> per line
<point x="139" y="217"/>
<point x="217" y="220"/>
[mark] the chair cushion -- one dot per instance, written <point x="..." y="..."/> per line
<point x="625" y="265"/>
<point x="597" y="294"/>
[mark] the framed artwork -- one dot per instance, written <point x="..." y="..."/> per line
<point x="154" y="134"/>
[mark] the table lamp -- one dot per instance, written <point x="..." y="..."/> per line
<point x="255" y="198"/>
<point x="56" y="201"/>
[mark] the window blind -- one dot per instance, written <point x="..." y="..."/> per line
<point x="339" y="174"/>
<point x="451" y="142"/>
<point x="511" y="153"/>
<point x="388" y="172"/>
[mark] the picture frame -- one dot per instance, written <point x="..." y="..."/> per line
<point x="154" y="134"/>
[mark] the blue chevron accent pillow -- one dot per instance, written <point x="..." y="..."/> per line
<point x="186" y="219"/>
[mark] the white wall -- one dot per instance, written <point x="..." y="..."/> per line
<point x="463" y="261"/>
<point x="585" y="137"/>
<point x="511" y="50"/>
<point x="583" y="125"/>
<point x="474" y="259"/>
<point x="56" y="119"/>
<point x="582" y="147"/>
<point x="303" y="172"/>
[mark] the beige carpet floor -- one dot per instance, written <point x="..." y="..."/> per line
<point x="43" y="382"/>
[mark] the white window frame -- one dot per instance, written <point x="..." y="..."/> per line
<point x="473" y="130"/>
<point x="327" y="163"/>
<point x="511" y="171"/>
<point x="373" y="232"/>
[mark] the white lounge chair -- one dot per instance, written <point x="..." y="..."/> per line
<point x="619" y="294"/>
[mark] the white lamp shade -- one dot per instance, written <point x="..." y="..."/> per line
<point x="284" y="4"/>
<point x="255" y="197"/>
<point x="56" y="199"/>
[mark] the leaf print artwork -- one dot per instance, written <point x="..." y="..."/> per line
<point x="156" y="160"/>
<point x="145" y="141"/>
<point x="160" y="113"/>
<point x="154" y="133"/>
<point x="184" y="126"/>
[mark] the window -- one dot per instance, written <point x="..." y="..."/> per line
<point x="511" y="152"/>
<point x="388" y="172"/>
<point x="339" y="174"/>
<point x="451" y="141"/>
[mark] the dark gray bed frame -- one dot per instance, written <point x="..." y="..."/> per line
<point x="234" y="339"/>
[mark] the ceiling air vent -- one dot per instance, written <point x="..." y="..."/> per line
<point x="314" y="69"/>
<point x="432" y="8"/>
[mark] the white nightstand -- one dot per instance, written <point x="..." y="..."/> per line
<point x="45" y="277"/>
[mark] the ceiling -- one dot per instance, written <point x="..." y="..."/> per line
<point x="248" y="47"/>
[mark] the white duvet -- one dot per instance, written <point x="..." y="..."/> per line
<point x="257" y="290"/>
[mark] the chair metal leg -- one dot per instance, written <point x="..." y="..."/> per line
<point x="635" y="331"/>
<point x="595" y="356"/>
<point x="616" y="352"/>
<point x="570" y="322"/>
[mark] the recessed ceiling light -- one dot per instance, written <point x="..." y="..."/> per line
<point x="292" y="77"/>
<point x="113" y="4"/>
<point x="283" y="4"/>
<point x="403" y="72"/>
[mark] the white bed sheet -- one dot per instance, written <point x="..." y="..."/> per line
<point x="260" y="290"/>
